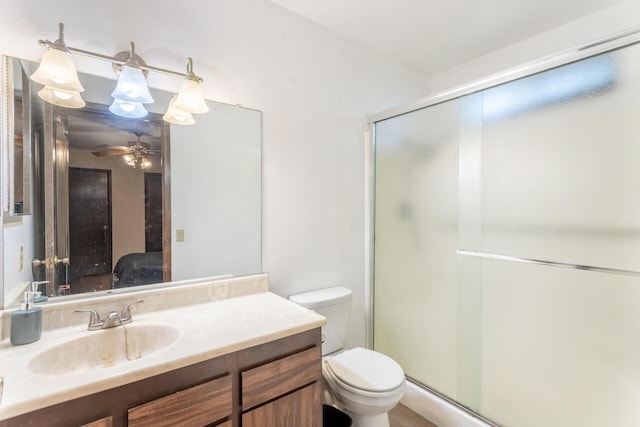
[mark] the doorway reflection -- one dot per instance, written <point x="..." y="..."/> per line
<point x="107" y="211"/>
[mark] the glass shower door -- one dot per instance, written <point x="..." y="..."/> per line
<point x="416" y="237"/>
<point x="507" y="245"/>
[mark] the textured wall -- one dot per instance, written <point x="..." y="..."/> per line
<point x="313" y="86"/>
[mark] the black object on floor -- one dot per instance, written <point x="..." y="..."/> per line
<point x="334" y="417"/>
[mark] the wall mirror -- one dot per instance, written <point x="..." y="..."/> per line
<point x="97" y="220"/>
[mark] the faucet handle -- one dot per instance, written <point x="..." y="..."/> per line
<point x="125" y="317"/>
<point x="94" y="321"/>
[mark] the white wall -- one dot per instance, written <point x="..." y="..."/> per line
<point x="618" y="18"/>
<point x="313" y="86"/>
<point x="17" y="272"/>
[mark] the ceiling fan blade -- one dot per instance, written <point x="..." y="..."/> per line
<point x="111" y="151"/>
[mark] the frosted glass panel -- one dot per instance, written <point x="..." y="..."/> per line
<point x="416" y="241"/>
<point x="546" y="168"/>
<point x="559" y="347"/>
<point x="560" y="168"/>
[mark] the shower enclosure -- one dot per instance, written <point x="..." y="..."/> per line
<point x="506" y="254"/>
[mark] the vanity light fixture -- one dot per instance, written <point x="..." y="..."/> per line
<point x="64" y="98"/>
<point x="132" y="110"/>
<point x="57" y="72"/>
<point x="190" y="98"/>
<point x="131" y="91"/>
<point x="177" y="116"/>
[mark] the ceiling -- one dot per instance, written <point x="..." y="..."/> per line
<point x="90" y="128"/>
<point x="433" y="36"/>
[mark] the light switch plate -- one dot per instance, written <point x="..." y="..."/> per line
<point x="179" y="235"/>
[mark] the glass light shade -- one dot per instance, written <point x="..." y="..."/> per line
<point x="190" y="98"/>
<point x="176" y="116"/>
<point x="128" y="159"/>
<point x="132" y="86"/>
<point x="58" y="70"/>
<point x="132" y="110"/>
<point x="145" y="163"/>
<point x="64" y="98"/>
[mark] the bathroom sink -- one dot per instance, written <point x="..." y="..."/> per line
<point x="103" y="349"/>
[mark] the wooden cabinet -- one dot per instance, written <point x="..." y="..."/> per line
<point x="200" y="405"/>
<point x="272" y="384"/>
<point x="293" y="409"/>
<point x="104" y="422"/>
<point x="283" y="392"/>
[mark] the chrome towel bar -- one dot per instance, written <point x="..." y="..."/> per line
<point x="486" y="255"/>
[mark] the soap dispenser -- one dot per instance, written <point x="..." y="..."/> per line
<point x="26" y="323"/>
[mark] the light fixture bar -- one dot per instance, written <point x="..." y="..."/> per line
<point x="57" y="72"/>
<point x="47" y="43"/>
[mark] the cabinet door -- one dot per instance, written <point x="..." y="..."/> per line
<point x="274" y="379"/>
<point x="298" y="409"/>
<point x="104" y="422"/>
<point x="196" y="406"/>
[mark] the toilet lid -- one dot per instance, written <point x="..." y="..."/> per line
<point x="366" y="370"/>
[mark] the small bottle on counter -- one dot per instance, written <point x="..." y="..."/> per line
<point x="26" y="323"/>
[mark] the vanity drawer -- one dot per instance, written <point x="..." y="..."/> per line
<point x="200" y="405"/>
<point x="104" y="422"/>
<point x="295" y="409"/>
<point x="274" y="379"/>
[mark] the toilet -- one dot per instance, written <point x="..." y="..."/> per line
<point x="364" y="383"/>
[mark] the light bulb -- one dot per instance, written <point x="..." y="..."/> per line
<point x="61" y="97"/>
<point x="145" y="163"/>
<point x="128" y="159"/>
<point x="127" y="106"/>
<point x="128" y="109"/>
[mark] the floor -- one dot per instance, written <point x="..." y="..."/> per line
<point x="98" y="282"/>
<point x="401" y="416"/>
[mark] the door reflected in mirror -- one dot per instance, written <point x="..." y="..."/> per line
<point x="110" y="195"/>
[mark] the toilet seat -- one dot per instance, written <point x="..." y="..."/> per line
<point x="365" y="372"/>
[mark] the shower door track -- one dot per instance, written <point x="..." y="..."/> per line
<point x="486" y="255"/>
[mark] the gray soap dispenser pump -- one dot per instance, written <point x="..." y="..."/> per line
<point x="26" y="323"/>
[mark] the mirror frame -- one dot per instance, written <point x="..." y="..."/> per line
<point x="10" y="149"/>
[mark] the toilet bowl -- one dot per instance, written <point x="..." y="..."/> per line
<point x="366" y="385"/>
<point x="363" y="383"/>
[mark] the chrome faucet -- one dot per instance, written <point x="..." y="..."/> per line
<point x="112" y="319"/>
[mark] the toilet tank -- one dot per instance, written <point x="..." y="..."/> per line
<point x="334" y="304"/>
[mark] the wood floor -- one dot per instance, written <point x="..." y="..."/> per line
<point x="401" y="416"/>
<point x="97" y="282"/>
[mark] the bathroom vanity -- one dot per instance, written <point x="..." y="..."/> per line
<point x="250" y="360"/>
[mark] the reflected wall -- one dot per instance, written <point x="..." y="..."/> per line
<point x="542" y="168"/>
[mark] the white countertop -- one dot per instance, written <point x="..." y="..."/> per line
<point x="205" y="331"/>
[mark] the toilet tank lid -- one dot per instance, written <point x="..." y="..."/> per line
<point x="322" y="297"/>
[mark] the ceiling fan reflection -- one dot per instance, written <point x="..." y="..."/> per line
<point x="134" y="153"/>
